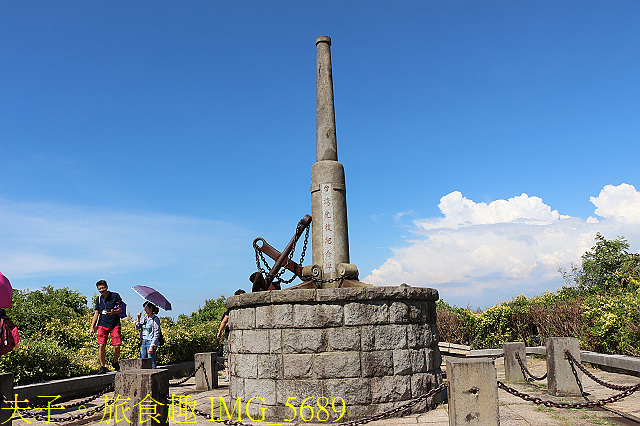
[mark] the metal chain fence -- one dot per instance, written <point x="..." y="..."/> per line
<point x="526" y="372"/>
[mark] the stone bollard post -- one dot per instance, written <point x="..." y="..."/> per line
<point x="561" y="378"/>
<point x="135" y="364"/>
<point x="512" y="370"/>
<point x="147" y="392"/>
<point x="473" y="392"/>
<point x="207" y="378"/>
<point x="6" y="391"/>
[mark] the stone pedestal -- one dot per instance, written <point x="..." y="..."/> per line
<point x="6" y="391"/>
<point x="562" y="380"/>
<point x="140" y="398"/>
<point x="373" y="347"/>
<point x="473" y="393"/>
<point x="512" y="370"/>
<point x="135" y="364"/>
<point x="207" y="377"/>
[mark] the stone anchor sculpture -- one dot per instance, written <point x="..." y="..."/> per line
<point x="330" y="240"/>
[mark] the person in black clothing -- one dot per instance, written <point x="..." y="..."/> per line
<point x="107" y="323"/>
<point x="224" y="325"/>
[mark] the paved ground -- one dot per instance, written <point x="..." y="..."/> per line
<point x="513" y="410"/>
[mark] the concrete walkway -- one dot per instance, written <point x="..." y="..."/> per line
<point x="513" y="410"/>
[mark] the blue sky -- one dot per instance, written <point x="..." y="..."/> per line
<point x="484" y="143"/>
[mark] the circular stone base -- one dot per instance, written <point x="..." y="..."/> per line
<point x="373" y="348"/>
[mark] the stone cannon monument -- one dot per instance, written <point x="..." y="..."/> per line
<point x="332" y="347"/>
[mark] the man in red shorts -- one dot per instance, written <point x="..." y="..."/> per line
<point x="107" y="306"/>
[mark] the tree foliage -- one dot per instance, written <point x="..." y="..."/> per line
<point x="607" y="267"/>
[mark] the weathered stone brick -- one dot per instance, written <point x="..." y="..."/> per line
<point x="428" y="311"/>
<point x="372" y="312"/>
<point x="401" y="362"/>
<point x="390" y="388"/>
<point x="300" y="389"/>
<point x="416" y="336"/>
<point x="264" y="317"/>
<point x="298" y="366"/>
<point x="242" y="319"/>
<point x="236" y="388"/>
<point x="246" y="366"/>
<point x="304" y="316"/>
<point x="269" y="366"/>
<point x="255" y="342"/>
<point x="418" y="364"/>
<point x="353" y="391"/>
<point x="393" y="336"/>
<point x="367" y="338"/>
<point x="263" y="388"/>
<point x="303" y="341"/>
<point x="343" y="339"/>
<point x="293" y="296"/>
<point x="337" y="364"/>
<point x="275" y="341"/>
<point x="431" y="335"/>
<point x="398" y="313"/>
<point x="433" y="359"/>
<point x="419" y="384"/>
<point x="377" y="363"/>
<point x="317" y="315"/>
<point x="282" y="316"/>
<point x="235" y="340"/>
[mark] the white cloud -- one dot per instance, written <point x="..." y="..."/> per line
<point x="618" y="202"/>
<point x="459" y="212"/>
<point x="479" y="253"/>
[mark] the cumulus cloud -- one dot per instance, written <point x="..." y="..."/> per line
<point x="621" y="203"/>
<point x="460" y="212"/>
<point x="479" y="253"/>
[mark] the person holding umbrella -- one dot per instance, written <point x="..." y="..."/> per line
<point x="150" y="333"/>
<point x="149" y="328"/>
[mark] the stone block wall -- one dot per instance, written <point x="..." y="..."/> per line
<point x="374" y="347"/>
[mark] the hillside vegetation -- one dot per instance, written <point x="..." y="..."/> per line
<point x="55" y="341"/>
<point x="599" y="304"/>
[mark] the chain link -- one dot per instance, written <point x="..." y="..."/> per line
<point x="526" y="372"/>
<point x="181" y="381"/>
<point x="594" y="378"/>
<point x="283" y="268"/>
<point x="398" y="409"/>
<point x="577" y="405"/>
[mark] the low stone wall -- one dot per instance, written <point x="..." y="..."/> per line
<point x="374" y="347"/>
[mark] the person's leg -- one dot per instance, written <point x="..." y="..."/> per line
<point x="102" y="354"/>
<point x="102" y="345"/>
<point x="154" y="354"/>
<point x="116" y="341"/>
<point x="144" y="349"/>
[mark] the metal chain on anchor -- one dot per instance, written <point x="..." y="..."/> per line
<point x="582" y="368"/>
<point x="525" y="370"/>
<point x="260" y="257"/>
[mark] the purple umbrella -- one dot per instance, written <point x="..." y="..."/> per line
<point x="6" y="291"/>
<point x="152" y="296"/>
